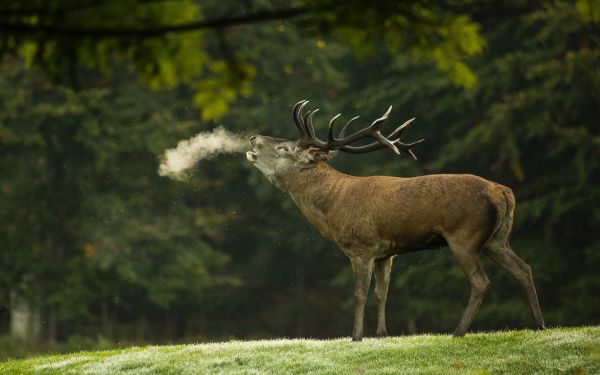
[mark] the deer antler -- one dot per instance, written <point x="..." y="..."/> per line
<point x="342" y="143"/>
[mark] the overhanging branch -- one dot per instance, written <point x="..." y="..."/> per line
<point x="151" y="32"/>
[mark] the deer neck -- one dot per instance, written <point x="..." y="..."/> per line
<point x="315" y="190"/>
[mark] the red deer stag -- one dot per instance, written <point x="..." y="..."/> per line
<point x="372" y="219"/>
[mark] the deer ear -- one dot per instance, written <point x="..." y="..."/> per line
<point x="317" y="154"/>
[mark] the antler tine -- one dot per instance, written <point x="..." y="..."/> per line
<point x="383" y="140"/>
<point x="302" y="106"/>
<point x="407" y="147"/>
<point x="297" y="106"/>
<point x="330" y="136"/>
<point x="302" y="118"/>
<point x="309" y="125"/>
<point x="387" y="113"/>
<point x="304" y="124"/>
<point x="343" y="131"/>
<point x="377" y="124"/>
<point x="297" y="109"/>
<point x="297" y="112"/>
<point x="400" y="128"/>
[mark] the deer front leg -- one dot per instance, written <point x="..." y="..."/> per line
<point x="383" y="268"/>
<point x="363" y="268"/>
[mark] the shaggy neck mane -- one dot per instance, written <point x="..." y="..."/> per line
<point x="317" y="187"/>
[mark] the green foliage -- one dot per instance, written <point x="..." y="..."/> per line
<point x="161" y="45"/>
<point x="589" y="10"/>
<point x="162" y="61"/>
<point x="418" y="28"/>
<point x="213" y="96"/>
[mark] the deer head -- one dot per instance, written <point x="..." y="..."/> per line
<point x="276" y="157"/>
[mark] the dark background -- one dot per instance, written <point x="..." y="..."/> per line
<point x="97" y="250"/>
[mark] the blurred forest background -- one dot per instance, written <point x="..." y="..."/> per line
<point x="97" y="250"/>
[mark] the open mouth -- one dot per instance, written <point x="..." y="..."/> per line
<point x="251" y="155"/>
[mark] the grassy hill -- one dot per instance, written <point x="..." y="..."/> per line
<point x="554" y="351"/>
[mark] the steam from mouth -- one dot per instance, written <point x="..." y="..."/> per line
<point x="176" y="162"/>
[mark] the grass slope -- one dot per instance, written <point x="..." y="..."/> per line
<point x="553" y="351"/>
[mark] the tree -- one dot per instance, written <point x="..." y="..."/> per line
<point x="166" y="42"/>
<point x="84" y="213"/>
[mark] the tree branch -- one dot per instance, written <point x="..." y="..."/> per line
<point x="152" y="32"/>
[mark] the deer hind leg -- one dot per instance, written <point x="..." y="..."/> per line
<point x="468" y="260"/>
<point x="383" y="268"/>
<point x="363" y="269"/>
<point x="507" y="259"/>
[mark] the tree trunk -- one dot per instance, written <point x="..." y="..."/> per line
<point x="170" y="326"/>
<point x="107" y="321"/>
<point x="411" y="326"/>
<point x="25" y="319"/>
<point x="52" y="330"/>
<point x="300" y="302"/>
<point x="141" y="325"/>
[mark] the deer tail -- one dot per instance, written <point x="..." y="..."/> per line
<point x="504" y="214"/>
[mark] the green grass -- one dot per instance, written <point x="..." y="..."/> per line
<point x="553" y="351"/>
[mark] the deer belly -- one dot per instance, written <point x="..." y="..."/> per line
<point x="403" y="244"/>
